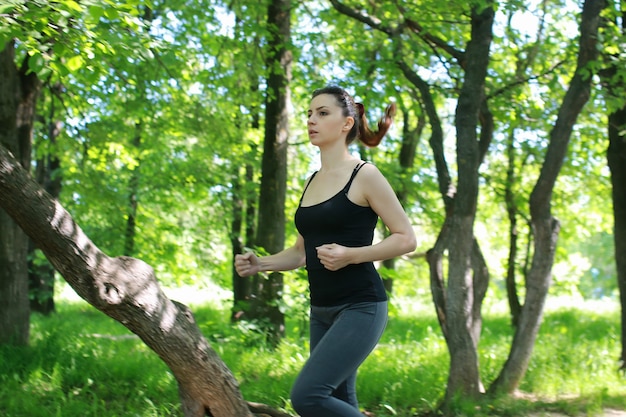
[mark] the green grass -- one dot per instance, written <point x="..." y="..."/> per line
<point x="82" y="363"/>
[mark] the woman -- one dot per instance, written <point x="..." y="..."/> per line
<point x="336" y="218"/>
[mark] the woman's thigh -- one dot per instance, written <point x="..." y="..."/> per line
<point x="339" y="349"/>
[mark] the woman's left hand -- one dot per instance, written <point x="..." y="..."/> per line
<point x="333" y="256"/>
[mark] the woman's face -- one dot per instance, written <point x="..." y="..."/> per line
<point x="326" y="122"/>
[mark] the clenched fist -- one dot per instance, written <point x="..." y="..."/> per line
<point x="333" y="256"/>
<point x="247" y="264"/>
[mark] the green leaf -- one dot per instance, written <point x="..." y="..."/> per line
<point x="36" y="62"/>
<point x="71" y="4"/>
<point x="112" y="13"/>
<point x="75" y="62"/>
<point x="6" y="8"/>
<point x="96" y="12"/>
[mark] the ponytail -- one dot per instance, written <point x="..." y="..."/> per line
<point x="368" y="136"/>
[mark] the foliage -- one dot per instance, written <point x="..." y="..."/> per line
<point x="81" y="362"/>
<point x="173" y="75"/>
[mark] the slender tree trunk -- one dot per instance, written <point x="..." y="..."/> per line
<point x="48" y="174"/>
<point x="406" y="159"/>
<point x="545" y="226"/>
<point x="616" y="156"/>
<point x="512" y="212"/>
<point x="271" y="224"/>
<point x="18" y="98"/>
<point x="133" y="196"/>
<point x="244" y="197"/>
<point x="241" y="287"/>
<point x="524" y="60"/>
<point x="244" y="212"/>
<point x="434" y="256"/>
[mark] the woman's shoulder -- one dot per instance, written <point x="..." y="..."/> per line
<point x="372" y="179"/>
<point x="369" y="170"/>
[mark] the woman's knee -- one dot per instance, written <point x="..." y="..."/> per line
<point x="302" y="400"/>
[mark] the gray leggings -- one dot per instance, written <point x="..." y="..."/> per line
<point x="341" y="338"/>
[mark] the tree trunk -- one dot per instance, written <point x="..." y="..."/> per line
<point x="244" y="208"/>
<point x="545" y="226"/>
<point x="18" y="98"/>
<point x="406" y="160"/>
<point x="241" y="285"/>
<point x="271" y="224"/>
<point x="41" y="275"/>
<point x="133" y="195"/>
<point x="616" y="156"/>
<point x="512" y="211"/>
<point x="126" y="290"/>
<point x="464" y="377"/>
<point x="40" y="272"/>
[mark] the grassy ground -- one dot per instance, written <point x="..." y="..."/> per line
<point x="82" y="363"/>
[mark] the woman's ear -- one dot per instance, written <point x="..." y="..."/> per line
<point x="349" y="124"/>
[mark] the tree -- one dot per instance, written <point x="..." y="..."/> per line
<point x="613" y="83"/>
<point x="19" y="89"/>
<point x="271" y="223"/>
<point x="616" y="155"/>
<point x="41" y="274"/>
<point x="244" y="189"/>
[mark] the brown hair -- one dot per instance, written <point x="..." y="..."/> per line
<point x="361" y="129"/>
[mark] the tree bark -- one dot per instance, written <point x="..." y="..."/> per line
<point x="464" y="377"/>
<point x="126" y="290"/>
<point x="241" y="285"/>
<point x="616" y="156"/>
<point x="130" y="231"/>
<point x="512" y="210"/>
<point x="48" y="174"/>
<point x="271" y="224"/>
<point x="406" y="160"/>
<point x="18" y="97"/>
<point x="545" y="226"/>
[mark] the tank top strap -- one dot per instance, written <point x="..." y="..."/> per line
<point x="356" y="171"/>
<point x="306" y="187"/>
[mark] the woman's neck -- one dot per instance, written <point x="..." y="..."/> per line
<point x="335" y="158"/>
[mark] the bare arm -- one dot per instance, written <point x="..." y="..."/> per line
<point x="291" y="258"/>
<point x="375" y="190"/>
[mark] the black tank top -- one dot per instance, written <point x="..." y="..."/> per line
<point x="339" y="220"/>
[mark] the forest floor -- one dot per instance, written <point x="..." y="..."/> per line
<point x="605" y="413"/>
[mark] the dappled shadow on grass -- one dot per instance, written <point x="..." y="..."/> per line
<point x="83" y="361"/>
<point x="524" y="404"/>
